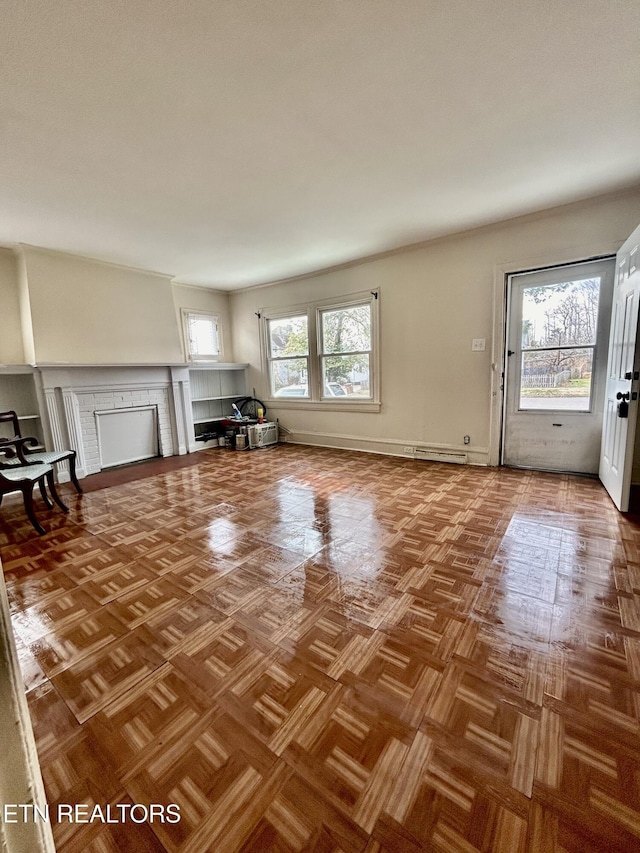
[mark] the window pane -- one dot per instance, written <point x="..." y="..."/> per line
<point x="556" y="379"/>
<point x="346" y="376"/>
<point x="289" y="378"/>
<point x="203" y="336"/>
<point x="346" y="329"/>
<point x="557" y="314"/>
<point x="288" y="336"/>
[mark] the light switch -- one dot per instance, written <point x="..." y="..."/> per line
<point x="478" y="344"/>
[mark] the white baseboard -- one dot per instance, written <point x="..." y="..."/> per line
<point x="387" y="446"/>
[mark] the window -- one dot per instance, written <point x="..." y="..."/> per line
<point x="345" y="351"/>
<point x="289" y="356"/>
<point x="324" y="353"/>
<point x="202" y="336"/>
<point x="558" y="329"/>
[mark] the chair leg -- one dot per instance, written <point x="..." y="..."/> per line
<point x="72" y="473"/>
<point x="43" y="492"/>
<point x="27" y="494"/>
<point x="54" y="492"/>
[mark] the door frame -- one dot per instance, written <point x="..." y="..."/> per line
<point x="23" y="781"/>
<point x="501" y="273"/>
<point x="582" y="424"/>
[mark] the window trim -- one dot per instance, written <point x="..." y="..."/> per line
<point x="312" y="310"/>
<point x="191" y="358"/>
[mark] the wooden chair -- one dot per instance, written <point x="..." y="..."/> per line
<point x="23" y="478"/>
<point x="27" y="456"/>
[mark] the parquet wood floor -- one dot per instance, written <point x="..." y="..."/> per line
<point x="317" y="650"/>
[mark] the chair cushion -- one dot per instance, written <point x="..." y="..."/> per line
<point x="17" y="474"/>
<point x="45" y="457"/>
<point x="48" y="457"/>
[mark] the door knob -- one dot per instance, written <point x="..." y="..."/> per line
<point x="623" y="405"/>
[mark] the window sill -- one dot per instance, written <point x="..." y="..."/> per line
<point x="324" y="405"/>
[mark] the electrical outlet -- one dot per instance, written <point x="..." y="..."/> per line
<point x="409" y="450"/>
<point x="467" y="439"/>
<point x="478" y="344"/>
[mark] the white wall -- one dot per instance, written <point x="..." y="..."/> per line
<point x="11" y="348"/>
<point x="62" y="308"/>
<point x="214" y="302"/>
<point x="433" y="300"/>
<point x="85" y="311"/>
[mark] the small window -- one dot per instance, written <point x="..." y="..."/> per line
<point x="202" y="336"/>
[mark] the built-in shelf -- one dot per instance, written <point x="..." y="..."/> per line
<point x="18" y="394"/>
<point x="213" y="388"/>
<point x="224" y="397"/>
<point x="210" y="420"/>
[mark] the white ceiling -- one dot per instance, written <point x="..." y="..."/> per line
<point x="234" y="142"/>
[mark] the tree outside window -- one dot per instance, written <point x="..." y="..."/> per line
<point x="289" y="356"/>
<point x="559" y="328"/>
<point x="346" y="351"/>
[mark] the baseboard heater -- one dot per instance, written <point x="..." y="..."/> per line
<point x="436" y="456"/>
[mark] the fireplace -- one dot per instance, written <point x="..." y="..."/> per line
<point x="114" y="414"/>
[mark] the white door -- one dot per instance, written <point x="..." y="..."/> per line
<point x="557" y="335"/>
<point x="623" y="371"/>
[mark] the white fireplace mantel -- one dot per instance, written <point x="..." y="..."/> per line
<point x="71" y="394"/>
